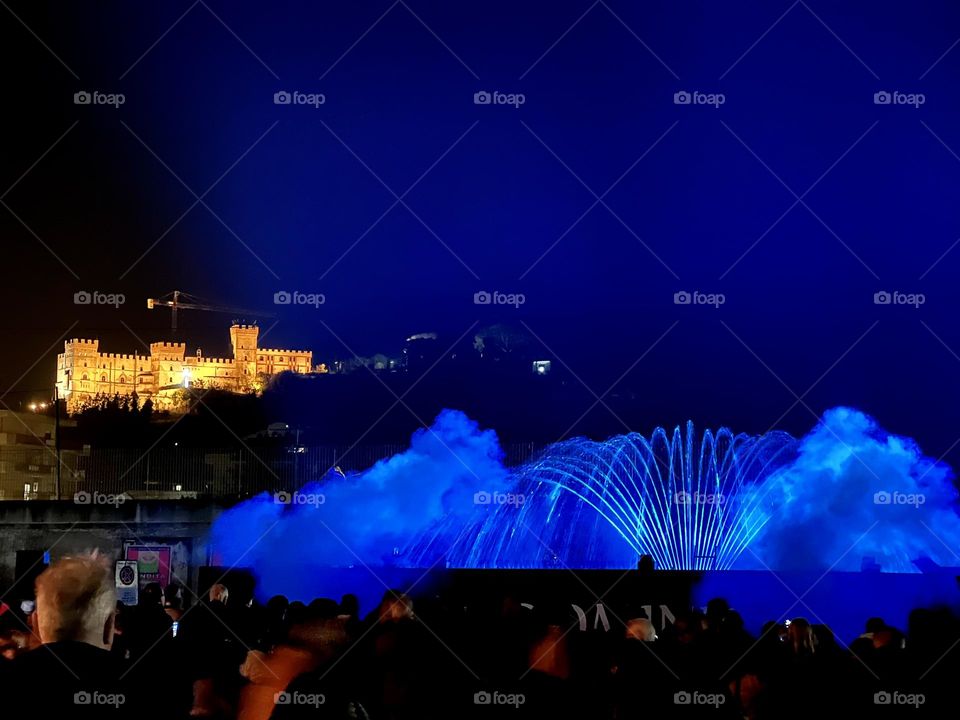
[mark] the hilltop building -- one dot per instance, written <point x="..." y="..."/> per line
<point x="83" y="372"/>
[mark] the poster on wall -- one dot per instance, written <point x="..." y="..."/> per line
<point x="127" y="583"/>
<point x="153" y="563"/>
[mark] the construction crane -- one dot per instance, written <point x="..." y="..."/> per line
<point x="175" y="301"/>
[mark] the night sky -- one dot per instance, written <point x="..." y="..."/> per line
<point x="598" y="198"/>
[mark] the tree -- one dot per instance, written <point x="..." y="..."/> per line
<point x="500" y="340"/>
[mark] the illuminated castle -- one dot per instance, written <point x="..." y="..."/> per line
<point x="83" y="372"/>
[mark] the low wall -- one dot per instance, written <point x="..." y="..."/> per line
<point x="30" y="529"/>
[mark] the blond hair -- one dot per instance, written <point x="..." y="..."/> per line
<point x="75" y="600"/>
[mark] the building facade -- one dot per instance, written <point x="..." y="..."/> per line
<point x="28" y="456"/>
<point x="83" y="372"/>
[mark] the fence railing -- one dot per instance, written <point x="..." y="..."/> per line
<point x="179" y="473"/>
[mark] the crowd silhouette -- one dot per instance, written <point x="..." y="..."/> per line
<point x="73" y="651"/>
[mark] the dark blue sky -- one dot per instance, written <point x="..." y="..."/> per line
<point x="505" y="198"/>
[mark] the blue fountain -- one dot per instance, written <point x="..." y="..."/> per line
<point x="690" y="502"/>
<point x="846" y="496"/>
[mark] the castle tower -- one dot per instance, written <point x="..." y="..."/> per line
<point x="243" y="338"/>
<point x="76" y="370"/>
<point x="166" y="364"/>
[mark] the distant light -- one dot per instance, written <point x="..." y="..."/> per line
<point x="33" y="407"/>
<point x="178" y="488"/>
<point x="541" y="367"/>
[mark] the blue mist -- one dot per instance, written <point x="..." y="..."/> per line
<point x="846" y="491"/>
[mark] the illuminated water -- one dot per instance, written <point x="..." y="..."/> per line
<point x="846" y="496"/>
<point x="687" y="500"/>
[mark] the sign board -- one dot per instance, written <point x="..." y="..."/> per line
<point x="127" y="580"/>
<point x="153" y="563"/>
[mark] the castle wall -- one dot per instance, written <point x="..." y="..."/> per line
<point x="83" y="372"/>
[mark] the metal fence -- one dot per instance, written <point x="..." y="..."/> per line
<point x="182" y="473"/>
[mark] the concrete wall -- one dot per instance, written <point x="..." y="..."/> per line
<point x="63" y="528"/>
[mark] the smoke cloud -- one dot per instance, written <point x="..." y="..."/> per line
<point x="852" y="491"/>
<point x="364" y="518"/>
<point x="856" y="491"/>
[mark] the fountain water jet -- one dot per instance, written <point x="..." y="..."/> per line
<point x="688" y="501"/>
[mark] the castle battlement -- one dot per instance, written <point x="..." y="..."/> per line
<point x="278" y="351"/>
<point x="168" y="369"/>
<point x="200" y="361"/>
